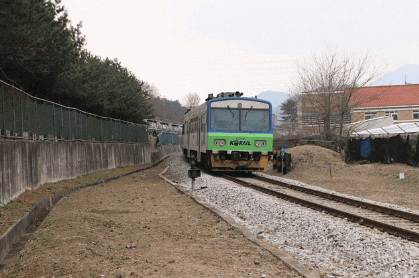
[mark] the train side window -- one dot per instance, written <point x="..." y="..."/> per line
<point x="195" y="124"/>
<point x="204" y="121"/>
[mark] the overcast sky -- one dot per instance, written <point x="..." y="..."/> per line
<point x="211" y="46"/>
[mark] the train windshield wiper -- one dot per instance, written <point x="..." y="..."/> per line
<point x="248" y="111"/>
<point x="230" y="111"/>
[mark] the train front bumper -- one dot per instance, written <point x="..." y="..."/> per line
<point x="239" y="161"/>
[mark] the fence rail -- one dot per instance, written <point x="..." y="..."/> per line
<point x="25" y="116"/>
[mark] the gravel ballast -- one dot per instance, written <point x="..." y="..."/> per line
<point x="335" y="247"/>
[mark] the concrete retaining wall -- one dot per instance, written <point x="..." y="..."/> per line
<point x="26" y="164"/>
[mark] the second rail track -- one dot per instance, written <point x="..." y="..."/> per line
<point x="394" y="218"/>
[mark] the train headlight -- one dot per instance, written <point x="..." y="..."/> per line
<point x="260" y="143"/>
<point x="220" y="142"/>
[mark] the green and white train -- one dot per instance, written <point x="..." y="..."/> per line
<point x="229" y="133"/>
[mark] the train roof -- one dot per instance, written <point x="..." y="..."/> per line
<point x="224" y="96"/>
<point x="234" y="98"/>
<point x="220" y="97"/>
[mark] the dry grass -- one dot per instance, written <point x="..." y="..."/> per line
<point x="19" y="207"/>
<point x="379" y="182"/>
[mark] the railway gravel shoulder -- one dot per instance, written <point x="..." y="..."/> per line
<point x="390" y="220"/>
<point x="281" y="255"/>
<point x="309" y="186"/>
<point x="337" y="248"/>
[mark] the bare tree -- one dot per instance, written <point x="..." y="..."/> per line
<point x="167" y="110"/>
<point x="163" y="109"/>
<point x="326" y="87"/>
<point x="191" y="100"/>
<point x="151" y="90"/>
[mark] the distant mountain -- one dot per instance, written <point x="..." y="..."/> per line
<point x="408" y="73"/>
<point x="276" y="98"/>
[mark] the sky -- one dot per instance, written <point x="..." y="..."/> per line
<point x="211" y="46"/>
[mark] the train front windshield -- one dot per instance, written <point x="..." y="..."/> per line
<point x="246" y="119"/>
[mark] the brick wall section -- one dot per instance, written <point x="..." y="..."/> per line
<point x="356" y="117"/>
<point x="404" y="115"/>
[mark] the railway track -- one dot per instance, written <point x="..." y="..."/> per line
<point x="395" y="222"/>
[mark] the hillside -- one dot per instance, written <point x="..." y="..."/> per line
<point x="408" y="73"/>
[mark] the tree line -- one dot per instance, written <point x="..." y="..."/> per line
<point x="43" y="54"/>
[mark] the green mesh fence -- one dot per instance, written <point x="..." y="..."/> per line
<point x="22" y="115"/>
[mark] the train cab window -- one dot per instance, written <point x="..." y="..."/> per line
<point x="255" y="120"/>
<point x="225" y="119"/>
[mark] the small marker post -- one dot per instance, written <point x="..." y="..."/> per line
<point x="282" y="157"/>
<point x="193" y="172"/>
<point x="330" y="170"/>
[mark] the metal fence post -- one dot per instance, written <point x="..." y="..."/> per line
<point x="22" y="117"/>
<point x="14" y="115"/>
<point x="62" y="123"/>
<point x="53" y="120"/>
<point x="4" y="114"/>
<point x="101" y="130"/>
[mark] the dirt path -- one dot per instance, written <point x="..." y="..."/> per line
<point x="139" y="226"/>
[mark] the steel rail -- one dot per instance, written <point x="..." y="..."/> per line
<point x="382" y="209"/>
<point x="390" y="229"/>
